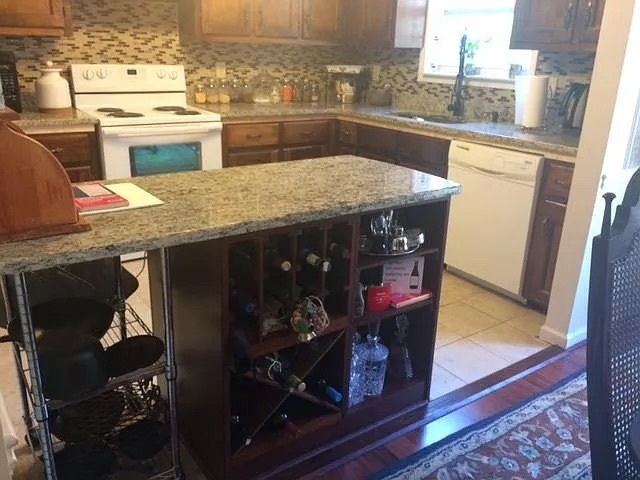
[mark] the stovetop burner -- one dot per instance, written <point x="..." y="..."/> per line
<point x="109" y="110"/>
<point x="187" y="112"/>
<point x="169" y="108"/>
<point x="122" y="114"/>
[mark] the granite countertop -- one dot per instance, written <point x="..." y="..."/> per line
<point x="232" y="201"/>
<point x="557" y="142"/>
<point x="73" y="120"/>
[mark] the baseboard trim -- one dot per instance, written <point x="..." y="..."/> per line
<point x="562" y="339"/>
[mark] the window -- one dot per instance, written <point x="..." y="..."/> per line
<point x="487" y="25"/>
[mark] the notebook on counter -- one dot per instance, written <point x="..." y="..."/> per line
<point x="96" y="197"/>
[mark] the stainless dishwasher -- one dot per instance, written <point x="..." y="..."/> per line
<point x="489" y="223"/>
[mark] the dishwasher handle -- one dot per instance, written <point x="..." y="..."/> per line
<point x="506" y="176"/>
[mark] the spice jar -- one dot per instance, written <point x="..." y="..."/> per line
<point x="200" y="96"/>
<point x="306" y="91"/>
<point x="235" y="90"/>
<point x="212" y="91"/>
<point x="287" y="91"/>
<point x="297" y="92"/>
<point x="315" y="92"/>
<point x="246" y="93"/>
<point x="276" y="90"/>
<point x="224" y="96"/>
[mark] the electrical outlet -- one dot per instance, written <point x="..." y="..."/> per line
<point x="375" y="73"/>
<point x="221" y="70"/>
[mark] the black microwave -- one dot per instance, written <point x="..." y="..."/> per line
<point x="9" y="79"/>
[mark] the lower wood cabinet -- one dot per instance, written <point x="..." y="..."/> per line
<point x="546" y="232"/>
<point x="254" y="142"/>
<point x="420" y="152"/>
<point x="76" y="151"/>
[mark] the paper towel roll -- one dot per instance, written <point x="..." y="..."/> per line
<point x="531" y="99"/>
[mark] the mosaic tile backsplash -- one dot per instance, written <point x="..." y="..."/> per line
<point x="146" y="31"/>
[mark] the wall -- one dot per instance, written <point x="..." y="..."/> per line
<point x="400" y="69"/>
<point x="145" y="31"/>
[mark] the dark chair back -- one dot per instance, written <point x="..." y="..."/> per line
<point x="613" y="338"/>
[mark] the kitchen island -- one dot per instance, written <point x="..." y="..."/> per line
<point x="199" y="242"/>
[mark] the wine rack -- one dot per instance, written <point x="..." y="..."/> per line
<point x="240" y="361"/>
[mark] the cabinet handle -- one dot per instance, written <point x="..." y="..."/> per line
<point x="306" y="133"/>
<point x="545" y="221"/>
<point x="56" y="150"/>
<point x="254" y="136"/>
<point x="587" y="14"/>
<point x="568" y="16"/>
<point x="562" y="183"/>
<point x="346" y="133"/>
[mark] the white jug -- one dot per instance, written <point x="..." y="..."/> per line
<point x="52" y="90"/>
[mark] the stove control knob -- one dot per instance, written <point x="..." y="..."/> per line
<point x="173" y="75"/>
<point x="87" y="74"/>
<point x="102" y="73"/>
<point x="161" y="73"/>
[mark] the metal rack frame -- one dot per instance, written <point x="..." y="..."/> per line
<point x="29" y="377"/>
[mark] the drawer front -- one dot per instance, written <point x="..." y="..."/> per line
<point x="300" y="133"/>
<point x="251" y="157"/>
<point x="348" y="133"/>
<point x="69" y="149"/>
<point x="379" y="140"/>
<point x="557" y="180"/>
<point x="251" y="135"/>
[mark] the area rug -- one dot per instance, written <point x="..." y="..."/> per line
<point x="546" y="438"/>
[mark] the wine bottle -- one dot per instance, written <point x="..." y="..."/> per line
<point x="278" y="369"/>
<point x="281" y="421"/>
<point x="239" y="436"/>
<point x="414" y="278"/>
<point x="312" y="258"/>
<point x="337" y="251"/>
<point x="328" y="391"/>
<point x="275" y="261"/>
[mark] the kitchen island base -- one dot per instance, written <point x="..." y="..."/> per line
<point x="228" y="413"/>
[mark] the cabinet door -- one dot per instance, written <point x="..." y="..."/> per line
<point x="276" y="18"/>
<point x="35" y="17"/>
<point x="77" y="152"/>
<point x="377" y="23"/>
<point x="226" y="18"/>
<point x="321" y="20"/>
<point x="427" y="154"/>
<point x="306" y="151"/>
<point x="377" y="143"/>
<point x="251" y="157"/>
<point x="540" y="23"/>
<point x="543" y="251"/>
<point x="587" y="23"/>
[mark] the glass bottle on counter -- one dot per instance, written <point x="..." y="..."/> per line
<point x="224" y="96"/>
<point x="315" y="92"/>
<point x="212" y="92"/>
<point x="306" y="91"/>
<point x="287" y="91"/>
<point x="297" y="91"/>
<point x="246" y="92"/>
<point x="235" y="90"/>
<point x="200" y="96"/>
<point x="276" y="92"/>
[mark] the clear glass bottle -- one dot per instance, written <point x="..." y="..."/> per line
<point x="246" y="92"/>
<point x="276" y="92"/>
<point x="200" y="96"/>
<point x="306" y="91"/>
<point x="236" y="89"/>
<point x="224" y="96"/>
<point x="315" y="92"/>
<point x="374" y="356"/>
<point x="297" y="91"/>
<point x="212" y="91"/>
<point x="356" y="375"/>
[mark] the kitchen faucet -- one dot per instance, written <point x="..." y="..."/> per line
<point x="457" y="101"/>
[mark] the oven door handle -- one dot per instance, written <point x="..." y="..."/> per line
<point x="147" y="130"/>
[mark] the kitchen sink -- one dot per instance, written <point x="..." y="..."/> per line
<point x="426" y="117"/>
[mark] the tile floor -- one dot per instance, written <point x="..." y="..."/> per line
<point x="479" y="333"/>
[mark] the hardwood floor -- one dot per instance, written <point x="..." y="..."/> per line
<point x="437" y="425"/>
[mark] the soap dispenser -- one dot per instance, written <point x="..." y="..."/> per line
<point x="52" y="90"/>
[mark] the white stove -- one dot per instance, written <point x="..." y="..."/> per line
<point x="146" y="125"/>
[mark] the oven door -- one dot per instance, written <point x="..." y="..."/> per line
<point x="133" y="151"/>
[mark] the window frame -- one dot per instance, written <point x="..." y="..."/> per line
<point x="476" y="81"/>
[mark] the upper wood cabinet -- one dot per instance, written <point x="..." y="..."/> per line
<point x="35" y="17"/>
<point x="277" y="18"/>
<point x="321" y="20"/>
<point x="385" y="23"/>
<point x="262" y="21"/>
<point x="557" y="25"/>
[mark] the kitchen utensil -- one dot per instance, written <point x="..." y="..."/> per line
<point x="132" y="353"/>
<point x="143" y="439"/>
<point x="79" y="315"/>
<point x="84" y="461"/>
<point x="399" y="242"/>
<point x="71" y="364"/>
<point x="52" y="90"/>
<point x="381" y="224"/>
<point x="90" y="419"/>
